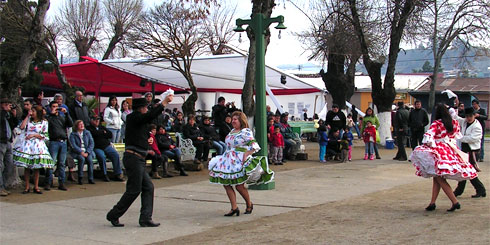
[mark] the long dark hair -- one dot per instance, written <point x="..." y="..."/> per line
<point x="443" y="114"/>
<point x="109" y="104"/>
<point x="372" y="111"/>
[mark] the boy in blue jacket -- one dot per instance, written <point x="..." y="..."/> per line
<point x="323" y="141"/>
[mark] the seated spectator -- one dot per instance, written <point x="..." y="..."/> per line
<point x="82" y="149"/>
<point x="156" y="157"/>
<point x="57" y="127"/>
<point x="168" y="148"/>
<point x="178" y="123"/>
<point x="333" y="145"/>
<point x="225" y="128"/>
<point x="192" y="131"/>
<point x="103" y="148"/>
<point x="291" y="139"/>
<point x="209" y="133"/>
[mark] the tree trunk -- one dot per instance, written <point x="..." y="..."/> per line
<point x="189" y="106"/>
<point x="350" y="77"/>
<point x="432" y="91"/>
<point x="36" y="33"/>
<point x="335" y="80"/>
<point x="110" y="48"/>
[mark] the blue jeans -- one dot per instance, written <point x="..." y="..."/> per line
<point x="173" y="154"/>
<point x="111" y="153"/>
<point x="81" y="162"/>
<point x="482" y="144"/>
<point x="369" y="148"/>
<point x="323" y="151"/>
<point x="57" y="150"/>
<point x="356" y="127"/>
<point x="116" y="135"/>
<point x="6" y="163"/>
<point x="220" y="147"/>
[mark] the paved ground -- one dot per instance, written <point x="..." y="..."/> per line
<point x="364" y="202"/>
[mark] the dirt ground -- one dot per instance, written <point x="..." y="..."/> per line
<point x="394" y="216"/>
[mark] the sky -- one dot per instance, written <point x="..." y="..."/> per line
<point x="285" y="51"/>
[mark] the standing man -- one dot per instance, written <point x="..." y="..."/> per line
<point x="220" y="111"/>
<point x="58" y="125"/>
<point x="79" y="110"/>
<point x="335" y="119"/>
<point x="461" y="110"/>
<point x="481" y="116"/>
<point x="470" y="143"/>
<point x="401" y="128"/>
<point x="134" y="161"/>
<point x="149" y="100"/>
<point x="8" y="121"/>
<point x="417" y="120"/>
<point x="58" y="98"/>
<point x="102" y="148"/>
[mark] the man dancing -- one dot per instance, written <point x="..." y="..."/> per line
<point x="139" y="181"/>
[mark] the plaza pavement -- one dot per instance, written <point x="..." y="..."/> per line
<point x="192" y="208"/>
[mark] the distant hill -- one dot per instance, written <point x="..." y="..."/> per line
<point x="474" y="62"/>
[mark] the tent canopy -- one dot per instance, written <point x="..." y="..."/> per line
<point x="99" y="78"/>
<point x="223" y="73"/>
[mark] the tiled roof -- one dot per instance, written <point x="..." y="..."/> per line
<point x="460" y="84"/>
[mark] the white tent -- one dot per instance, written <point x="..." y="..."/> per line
<point x="224" y="75"/>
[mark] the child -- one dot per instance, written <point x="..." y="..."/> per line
<point x="156" y="156"/>
<point x="350" y="138"/>
<point x="369" y="136"/>
<point x="277" y="142"/>
<point x="333" y="145"/>
<point x="323" y="141"/>
<point x="344" y="148"/>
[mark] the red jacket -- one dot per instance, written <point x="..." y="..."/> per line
<point x="277" y="140"/>
<point x="154" y="146"/>
<point x="368" y="133"/>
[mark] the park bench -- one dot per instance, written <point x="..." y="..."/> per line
<point x="303" y="127"/>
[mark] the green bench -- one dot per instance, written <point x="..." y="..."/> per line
<point x="304" y="127"/>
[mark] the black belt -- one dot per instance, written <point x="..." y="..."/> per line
<point x="135" y="153"/>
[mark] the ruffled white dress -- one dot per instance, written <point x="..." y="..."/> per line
<point x="33" y="153"/>
<point x="230" y="169"/>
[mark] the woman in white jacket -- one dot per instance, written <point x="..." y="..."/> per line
<point x="470" y="143"/>
<point x="112" y="117"/>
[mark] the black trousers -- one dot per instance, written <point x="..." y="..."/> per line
<point x="138" y="182"/>
<point x="202" y="150"/>
<point x="477" y="184"/>
<point x="416" y="138"/>
<point x="400" y="143"/>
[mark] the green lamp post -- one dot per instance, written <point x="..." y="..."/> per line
<point x="259" y="24"/>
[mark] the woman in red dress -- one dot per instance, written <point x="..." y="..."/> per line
<point x="440" y="158"/>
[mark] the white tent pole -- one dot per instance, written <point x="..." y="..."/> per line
<point x="274" y="99"/>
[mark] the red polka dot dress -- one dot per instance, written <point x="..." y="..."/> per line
<point x="439" y="156"/>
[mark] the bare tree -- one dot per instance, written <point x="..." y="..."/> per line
<point x="219" y="28"/>
<point x="463" y="20"/>
<point x="393" y="21"/>
<point x="51" y="48"/>
<point x="81" y="22"/>
<point x="122" y="16"/>
<point x="173" y="32"/>
<point x="331" y="38"/>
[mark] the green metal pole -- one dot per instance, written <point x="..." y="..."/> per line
<point x="260" y="113"/>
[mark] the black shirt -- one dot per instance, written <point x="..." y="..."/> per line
<point x="137" y="132"/>
<point x="102" y="136"/>
<point x="57" y="125"/>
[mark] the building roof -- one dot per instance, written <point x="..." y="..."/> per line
<point x="460" y="84"/>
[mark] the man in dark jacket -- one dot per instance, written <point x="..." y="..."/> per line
<point x="57" y="128"/>
<point x="103" y="148"/>
<point x="225" y="128"/>
<point x="335" y="119"/>
<point x="178" y="123"/>
<point x="481" y="116"/>
<point x="401" y="128"/>
<point x="168" y="148"/>
<point x="417" y="120"/>
<point x="192" y="131"/>
<point x="8" y="121"/>
<point x="139" y="181"/>
<point x="79" y="110"/>
<point x="209" y="133"/>
<point x="220" y="111"/>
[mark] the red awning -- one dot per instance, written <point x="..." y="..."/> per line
<point x="97" y="77"/>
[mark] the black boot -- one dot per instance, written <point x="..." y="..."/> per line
<point x="460" y="189"/>
<point x="165" y="171"/>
